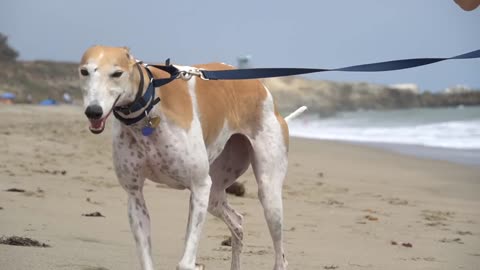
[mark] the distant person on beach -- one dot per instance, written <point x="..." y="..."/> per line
<point x="29" y="98"/>
<point x="67" y="98"/>
<point x="468" y="5"/>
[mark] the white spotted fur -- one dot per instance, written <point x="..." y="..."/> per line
<point x="181" y="160"/>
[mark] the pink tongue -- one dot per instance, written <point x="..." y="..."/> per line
<point x="96" y="124"/>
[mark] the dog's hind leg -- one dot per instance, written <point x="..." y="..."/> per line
<point x="220" y="208"/>
<point x="269" y="163"/>
<point x="231" y="164"/>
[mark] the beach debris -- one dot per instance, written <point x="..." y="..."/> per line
<point x="436" y="223"/>
<point x="54" y="172"/>
<point x="92" y="201"/>
<point x="94" y="268"/>
<point x="464" y="233"/>
<point x="237" y="189"/>
<point x="333" y="202"/>
<point x="227" y="242"/>
<point x="292" y="229"/>
<point x="39" y="193"/>
<point x="361" y="265"/>
<point x="320" y="174"/>
<point x="397" y="201"/>
<point x="15" y="190"/>
<point x="258" y="252"/>
<point x="21" y="241"/>
<point x="199" y="266"/>
<point x="452" y="240"/>
<point x="1" y="208"/>
<point x="331" y="267"/>
<point x="93" y="214"/>
<point x="437" y="218"/>
<point x="371" y="218"/>
<point x="427" y="259"/>
<point x="403" y="244"/>
<point x="432" y="215"/>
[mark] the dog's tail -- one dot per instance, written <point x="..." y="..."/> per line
<point x="296" y="113"/>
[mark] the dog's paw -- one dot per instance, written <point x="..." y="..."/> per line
<point x="199" y="266"/>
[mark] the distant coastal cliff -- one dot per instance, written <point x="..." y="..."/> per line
<point x="326" y="97"/>
<point x="46" y="79"/>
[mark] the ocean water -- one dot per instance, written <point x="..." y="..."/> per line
<point x="444" y="133"/>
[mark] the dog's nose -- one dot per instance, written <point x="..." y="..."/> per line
<point x="94" y="111"/>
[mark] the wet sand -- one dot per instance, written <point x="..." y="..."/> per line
<point x="346" y="206"/>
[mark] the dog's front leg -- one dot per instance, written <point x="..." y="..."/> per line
<point x="139" y="219"/>
<point x="199" y="196"/>
<point x="131" y="178"/>
<point x="140" y="226"/>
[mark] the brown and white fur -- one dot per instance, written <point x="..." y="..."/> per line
<point x="209" y="134"/>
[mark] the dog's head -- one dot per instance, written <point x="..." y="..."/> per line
<point x="109" y="78"/>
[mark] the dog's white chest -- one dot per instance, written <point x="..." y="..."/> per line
<point x="174" y="156"/>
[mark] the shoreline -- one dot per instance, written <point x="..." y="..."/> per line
<point x="466" y="157"/>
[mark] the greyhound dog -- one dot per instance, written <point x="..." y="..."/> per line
<point x="203" y="136"/>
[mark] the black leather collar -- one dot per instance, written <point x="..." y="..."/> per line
<point x="141" y="101"/>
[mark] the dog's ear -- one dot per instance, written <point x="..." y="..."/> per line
<point x="127" y="52"/>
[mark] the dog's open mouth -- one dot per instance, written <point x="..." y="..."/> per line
<point x="97" y="125"/>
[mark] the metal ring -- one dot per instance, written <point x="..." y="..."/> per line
<point x="185" y="75"/>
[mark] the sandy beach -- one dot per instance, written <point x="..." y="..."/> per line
<point x="346" y="206"/>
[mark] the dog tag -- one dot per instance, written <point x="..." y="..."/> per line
<point x="147" y="130"/>
<point x="154" y="121"/>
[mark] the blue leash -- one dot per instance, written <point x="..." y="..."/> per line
<point x="253" y="73"/>
<point x="257" y="73"/>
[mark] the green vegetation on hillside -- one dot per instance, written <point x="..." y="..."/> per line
<point x="41" y="79"/>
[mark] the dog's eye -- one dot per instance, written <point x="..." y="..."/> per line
<point x="84" y="72"/>
<point x="116" y="74"/>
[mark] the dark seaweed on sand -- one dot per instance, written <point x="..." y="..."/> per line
<point x="15" y="190"/>
<point x="21" y="241"/>
<point x="93" y="214"/>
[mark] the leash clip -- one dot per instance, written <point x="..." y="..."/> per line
<point x="198" y="72"/>
<point x="186" y="73"/>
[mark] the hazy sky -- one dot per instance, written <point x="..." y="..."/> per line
<point x="295" y="33"/>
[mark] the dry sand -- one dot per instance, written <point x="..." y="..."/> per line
<point x="344" y="205"/>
